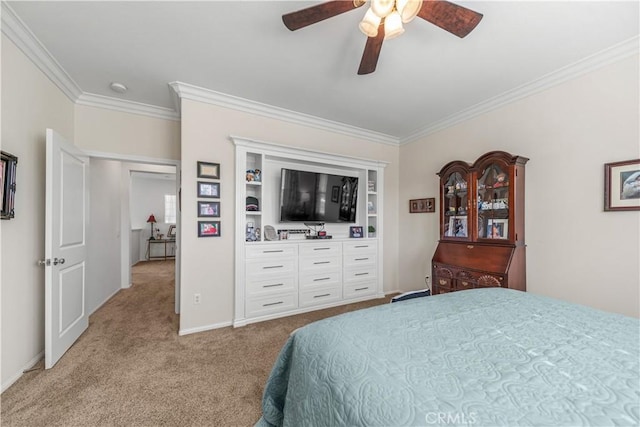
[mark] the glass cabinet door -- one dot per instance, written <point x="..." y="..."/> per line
<point x="455" y="206"/>
<point x="493" y="202"/>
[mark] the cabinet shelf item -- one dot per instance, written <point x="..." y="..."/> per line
<point x="481" y="224"/>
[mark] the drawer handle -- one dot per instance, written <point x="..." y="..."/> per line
<point x="272" y="303"/>
<point x="321" y="296"/>
<point x="272" y="251"/>
<point x="322" y="262"/>
<point x="361" y="246"/>
<point x="469" y="246"/>
<point x="443" y="282"/>
<point x="361" y="259"/>
<point x="272" y="266"/>
<point x="274" y="285"/>
<point x="321" y="249"/>
<point x="321" y="279"/>
<point x="465" y="283"/>
<point x="362" y="289"/>
<point x="361" y="274"/>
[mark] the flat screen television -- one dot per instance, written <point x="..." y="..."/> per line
<point x="317" y="197"/>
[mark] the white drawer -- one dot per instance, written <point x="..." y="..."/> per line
<point x="359" y="259"/>
<point x="321" y="249"/>
<point x="359" y="274"/>
<point x="259" y="268"/>
<point x="367" y="246"/>
<point x="261" y="306"/>
<point x="271" y="286"/>
<point x="357" y="290"/>
<point x="271" y="251"/>
<point x="320" y="278"/>
<point x="320" y="263"/>
<point x="320" y="296"/>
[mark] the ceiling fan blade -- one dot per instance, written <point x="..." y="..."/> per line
<point x="450" y="17"/>
<point x="317" y="13"/>
<point x="372" y="52"/>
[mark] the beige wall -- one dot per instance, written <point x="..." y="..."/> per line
<point x="208" y="264"/>
<point x="100" y="130"/>
<point x="30" y="104"/>
<point x="575" y="251"/>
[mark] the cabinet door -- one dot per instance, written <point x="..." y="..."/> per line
<point x="455" y="202"/>
<point x="494" y="202"/>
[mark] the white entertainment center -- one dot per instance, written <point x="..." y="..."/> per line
<point x="276" y="278"/>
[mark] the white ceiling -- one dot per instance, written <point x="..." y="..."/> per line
<point x="242" y="48"/>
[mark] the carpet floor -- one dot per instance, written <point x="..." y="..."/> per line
<point x="130" y="368"/>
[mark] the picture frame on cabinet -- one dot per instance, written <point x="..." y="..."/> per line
<point x="209" y="189"/>
<point x="622" y="186"/>
<point x="497" y="229"/>
<point x="171" y="234"/>
<point x="457" y="227"/>
<point x="208" y="228"/>
<point x="356" y="232"/>
<point x="208" y="209"/>
<point x="208" y="170"/>
<point x="427" y="205"/>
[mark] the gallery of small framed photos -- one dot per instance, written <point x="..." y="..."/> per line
<point x="208" y="208"/>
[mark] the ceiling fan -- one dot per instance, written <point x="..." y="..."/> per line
<point x="384" y="20"/>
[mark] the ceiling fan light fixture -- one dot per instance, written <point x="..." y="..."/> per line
<point x="382" y="8"/>
<point x="393" y="26"/>
<point x="408" y="9"/>
<point x="370" y="23"/>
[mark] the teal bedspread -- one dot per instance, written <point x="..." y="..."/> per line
<point x="484" y="357"/>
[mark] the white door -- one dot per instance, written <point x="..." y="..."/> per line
<point x="67" y="204"/>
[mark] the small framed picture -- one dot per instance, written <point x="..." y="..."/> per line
<point x="457" y="227"/>
<point x="622" y="186"/>
<point x="498" y="229"/>
<point x="208" y="228"/>
<point x="209" y="189"/>
<point x="208" y="170"/>
<point x="356" y="232"/>
<point x="422" y="205"/>
<point x="171" y="234"/>
<point x="208" y="209"/>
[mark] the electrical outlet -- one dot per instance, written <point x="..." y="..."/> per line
<point x="196" y="298"/>
<point x="427" y="281"/>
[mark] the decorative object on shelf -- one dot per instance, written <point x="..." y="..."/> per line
<point x="253" y="175"/>
<point x="209" y="189"/>
<point x="208" y="209"/>
<point x="208" y="228"/>
<point x="372" y="231"/>
<point x="622" y="186"/>
<point x="252" y="204"/>
<point x="356" y="232"/>
<point x="497" y="229"/>
<point x="371" y="207"/>
<point x="208" y="170"/>
<point x="152" y="220"/>
<point x="371" y="186"/>
<point x="270" y="233"/>
<point x="423" y="205"/>
<point x="251" y="233"/>
<point x="8" y="168"/>
<point x="171" y="234"/>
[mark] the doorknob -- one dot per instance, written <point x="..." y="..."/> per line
<point x="57" y="261"/>
<point x="44" y="262"/>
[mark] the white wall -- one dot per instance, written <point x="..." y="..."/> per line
<point x="30" y="104"/>
<point x="208" y="264"/>
<point x="103" y="255"/>
<point x="575" y="251"/>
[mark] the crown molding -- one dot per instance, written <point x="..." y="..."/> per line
<point x="109" y="103"/>
<point x="195" y="93"/>
<point x="586" y="65"/>
<point x="18" y="32"/>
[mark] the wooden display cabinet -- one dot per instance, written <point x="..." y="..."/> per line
<point x="481" y="224"/>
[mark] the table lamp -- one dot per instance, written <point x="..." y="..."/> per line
<point x="151" y="220"/>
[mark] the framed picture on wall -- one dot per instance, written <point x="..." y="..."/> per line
<point x="208" y="228"/>
<point x="208" y="170"/>
<point x="209" y="189"/>
<point x="208" y="209"/>
<point x="622" y="186"/>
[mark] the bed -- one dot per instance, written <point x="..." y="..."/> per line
<point x="485" y="357"/>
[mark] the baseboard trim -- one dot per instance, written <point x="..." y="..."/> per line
<point x="30" y="364"/>
<point x="105" y="300"/>
<point x="188" y="331"/>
